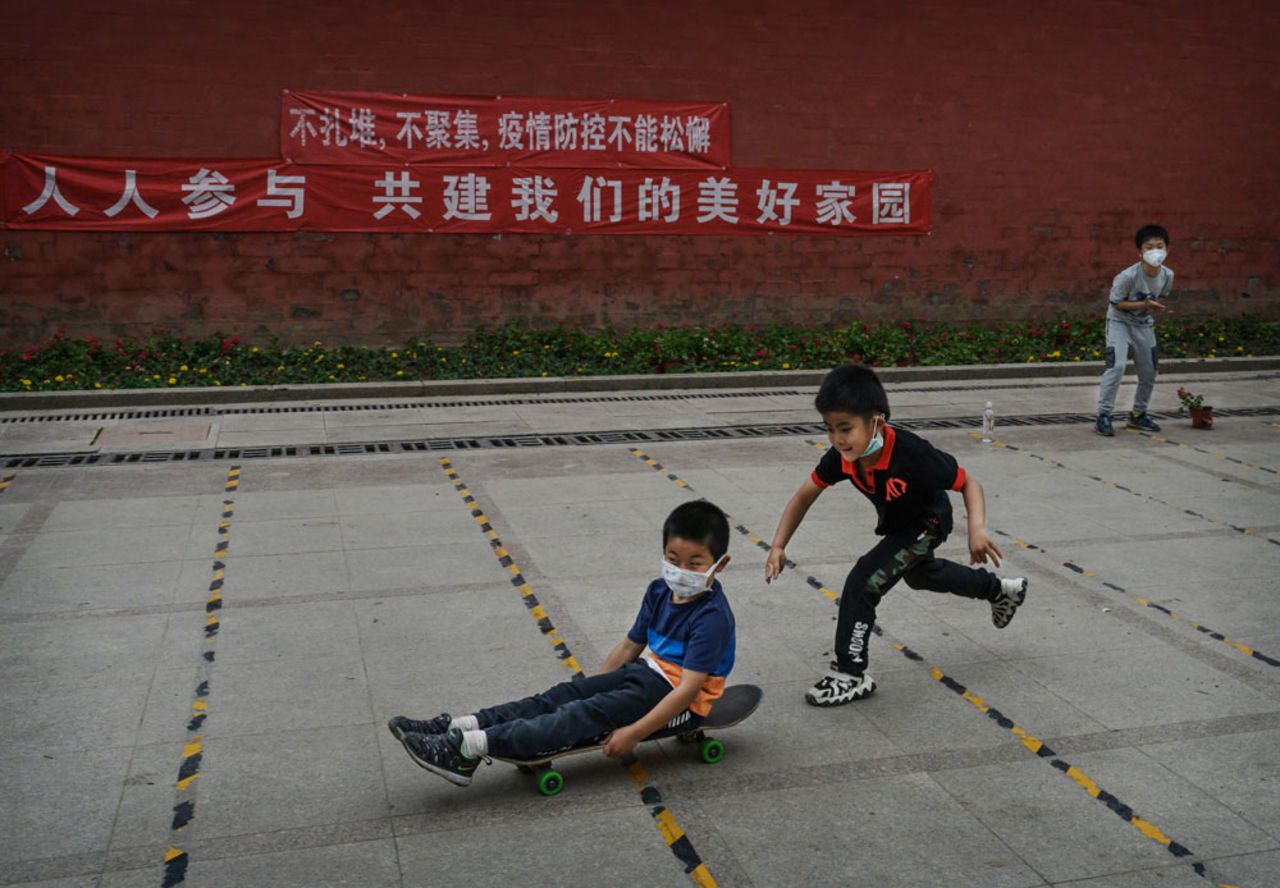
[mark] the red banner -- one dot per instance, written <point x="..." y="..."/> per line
<point x="79" y="193"/>
<point x="346" y="128"/>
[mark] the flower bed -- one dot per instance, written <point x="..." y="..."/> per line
<point x="67" y="363"/>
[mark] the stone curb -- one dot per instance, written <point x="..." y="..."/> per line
<point x="479" y="388"/>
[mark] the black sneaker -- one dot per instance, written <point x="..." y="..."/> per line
<point x="1142" y="422"/>
<point x="1104" y="426"/>
<point x="401" y="725"/>
<point x="1013" y="591"/>
<point x="442" y="754"/>
<point x="837" y="688"/>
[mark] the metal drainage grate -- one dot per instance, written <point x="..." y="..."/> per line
<point x="232" y="410"/>
<point x="514" y="442"/>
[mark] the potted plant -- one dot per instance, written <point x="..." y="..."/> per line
<point x="1201" y="413"/>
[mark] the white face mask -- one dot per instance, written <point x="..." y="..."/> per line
<point x="874" y="445"/>
<point x="686" y="582"/>
<point x="1154" y="258"/>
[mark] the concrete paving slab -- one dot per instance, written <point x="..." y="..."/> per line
<point x="357" y="863"/>
<point x="11" y="516"/>
<point x="291" y="785"/>
<point x="1044" y="818"/>
<point x="959" y="850"/>
<point x="361" y="586"/>
<point x="63" y="437"/>
<point x="106" y="546"/>
<point x="543" y="852"/>
<point x="157" y="435"/>
<point x="37" y="588"/>
<point x="1121" y="689"/>
<point x="41" y="788"/>
<point x="1240" y="772"/>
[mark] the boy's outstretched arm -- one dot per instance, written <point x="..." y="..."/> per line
<point x="792" y="515"/>
<point x="981" y="546"/>
<point x="623" y="652"/>
<point x="620" y="742"/>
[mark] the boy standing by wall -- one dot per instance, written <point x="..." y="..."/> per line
<point x="1135" y="297"/>
<point x="907" y="480"/>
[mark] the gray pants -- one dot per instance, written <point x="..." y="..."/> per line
<point x="1123" y="338"/>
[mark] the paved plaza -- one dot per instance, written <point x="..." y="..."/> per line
<point x="198" y="657"/>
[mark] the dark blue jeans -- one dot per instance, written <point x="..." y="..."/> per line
<point x="573" y="713"/>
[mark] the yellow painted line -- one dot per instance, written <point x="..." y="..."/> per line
<point x="192" y="748"/>
<point x="1089" y="786"/>
<point x="184" y="783"/>
<point x="200" y="705"/>
<point x="172" y="853"/>
<point x="671" y="831"/>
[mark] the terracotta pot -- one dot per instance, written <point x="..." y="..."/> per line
<point x="1202" y="417"/>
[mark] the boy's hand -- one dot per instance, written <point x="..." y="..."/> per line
<point x="1158" y="306"/>
<point x="774" y="564"/>
<point x="620" y="743"/>
<point x="982" y="547"/>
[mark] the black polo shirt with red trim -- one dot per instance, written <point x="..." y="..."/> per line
<point x="908" y="484"/>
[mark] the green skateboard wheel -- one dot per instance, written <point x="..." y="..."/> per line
<point x="550" y="782"/>
<point x="711" y="750"/>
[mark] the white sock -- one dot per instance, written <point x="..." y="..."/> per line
<point x="464" y="723"/>
<point x="475" y="743"/>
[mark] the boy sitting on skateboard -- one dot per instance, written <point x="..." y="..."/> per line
<point x="688" y="628"/>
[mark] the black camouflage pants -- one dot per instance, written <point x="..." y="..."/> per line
<point x="907" y="556"/>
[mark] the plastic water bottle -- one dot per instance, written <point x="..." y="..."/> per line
<point x="988" y="424"/>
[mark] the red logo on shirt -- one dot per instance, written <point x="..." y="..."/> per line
<point x="894" y="488"/>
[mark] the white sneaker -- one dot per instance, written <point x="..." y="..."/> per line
<point x="1012" y="593"/>
<point x="837" y="688"/>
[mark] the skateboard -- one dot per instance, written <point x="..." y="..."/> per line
<point x="733" y="707"/>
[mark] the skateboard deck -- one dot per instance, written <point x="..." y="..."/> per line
<point x="733" y="707"/>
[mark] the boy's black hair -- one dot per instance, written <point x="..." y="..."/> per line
<point x="1146" y="232"/>
<point x="699" y="522"/>
<point x="852" y="388"/>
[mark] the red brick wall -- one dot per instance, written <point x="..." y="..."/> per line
<point x="1055" y="129"/>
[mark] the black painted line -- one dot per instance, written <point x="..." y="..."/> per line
<point x="649" y="794"/>
<point x="177" y="859"/>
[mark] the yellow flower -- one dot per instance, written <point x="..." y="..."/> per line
<point x="97" y="385"/>
<point x="332" y="377"/>
<point x="254" y="350"/>
<point x="155" y="375"/>
<point x="316" y="343"/>
<point x="173" y="380"/>
<point x="342" y="366"/>
<point x="786" y="366"/>
<point x="399" y="373"/>
<point x="204" y="369"/>
<point x="280" y="368"/>
<point x="58" y="379"/>
<point x="395" y="354"/>
<point x="544" y="372"/>
<point x="516" y="352"/>
<point x="26" y="382"/>
<point x="183" y="367"/>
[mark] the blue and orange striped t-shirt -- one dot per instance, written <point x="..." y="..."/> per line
<point x="697" y="635"/>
